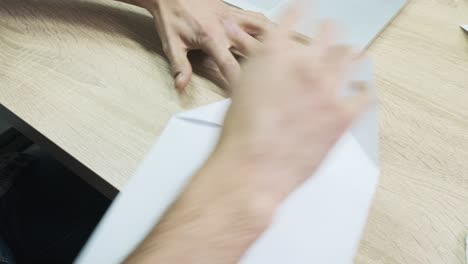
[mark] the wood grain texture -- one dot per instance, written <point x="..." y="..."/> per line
<point x="89" y="76"/>
<point x="420" y="214"/>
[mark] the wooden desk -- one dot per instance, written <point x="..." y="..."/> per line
<point x="87" y="81"/>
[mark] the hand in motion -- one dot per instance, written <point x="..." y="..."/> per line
<point x="286" y="114"/>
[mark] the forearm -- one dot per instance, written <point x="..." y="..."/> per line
<point x="207" y="228"/>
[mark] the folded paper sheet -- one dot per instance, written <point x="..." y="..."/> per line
<point x="321" y="222"/>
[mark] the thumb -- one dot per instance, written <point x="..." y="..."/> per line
<point x="180" y="65"/>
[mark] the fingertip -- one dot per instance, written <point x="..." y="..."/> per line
<point x="182" y="80"/>
<point x="292" y="15"/>
<point x="327" y="34"/>
<point x="242" y="42"/>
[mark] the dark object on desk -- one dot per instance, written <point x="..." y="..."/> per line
<point x="48" y="213"/>
<point x="12" y="141"/>
<point x="12" y="160"/>
<point x="12" y="165"/>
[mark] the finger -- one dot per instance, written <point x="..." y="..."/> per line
<point x="241" y="41"/>
<point x="352" y="62"/>
<point x="357" y="103"/>
<point x="337" y="63"/>
<point x="254" y="23"/>
<point x="349" y="63"/>
<point x="301" y="38"/>
<point x="219" y="51"/>
<point x="204" y="66"/>
<point x="291" y="17"/>
<point x="326" y="36"/>
<point x="180" y="65"/>
<point x="320" y="46"/>
<point x="257" y="24"/>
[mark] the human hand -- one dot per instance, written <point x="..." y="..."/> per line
<point x="287" y="108"/>
<point x="185" y="25"/>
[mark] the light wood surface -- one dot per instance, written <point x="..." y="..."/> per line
<point x="89" y="77"/>
<point x="420" y="214"/>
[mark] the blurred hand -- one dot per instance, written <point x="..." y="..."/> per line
<point x="185" y="25"/>
<point x="287" y="109"/>
<point x="286" y="114"/>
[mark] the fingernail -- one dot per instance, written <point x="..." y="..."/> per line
<point x="179" y="77"/>
<point x="178" y="80"/>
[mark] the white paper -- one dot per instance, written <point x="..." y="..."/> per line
<point x="360" y="20"/>
<point x="262" y="6"/>
<point x="465" y="27"/>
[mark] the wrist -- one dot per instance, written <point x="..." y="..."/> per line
<point x="220" y="214"/>
<point x="226" y="186"/>
<point x="264" y="169"/>
<point x="211" y="218"/>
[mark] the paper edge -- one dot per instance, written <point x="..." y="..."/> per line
<point x="205" y="114"/>
<point x="465" y="27"/>
<point x="87" y="252"/>
<point x="466" y="245"/>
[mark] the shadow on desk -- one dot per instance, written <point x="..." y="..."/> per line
<point x="106" y="17"/>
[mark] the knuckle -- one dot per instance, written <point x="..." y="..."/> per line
<point x="228" y="62"/>
<point x="204" y="36"/>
